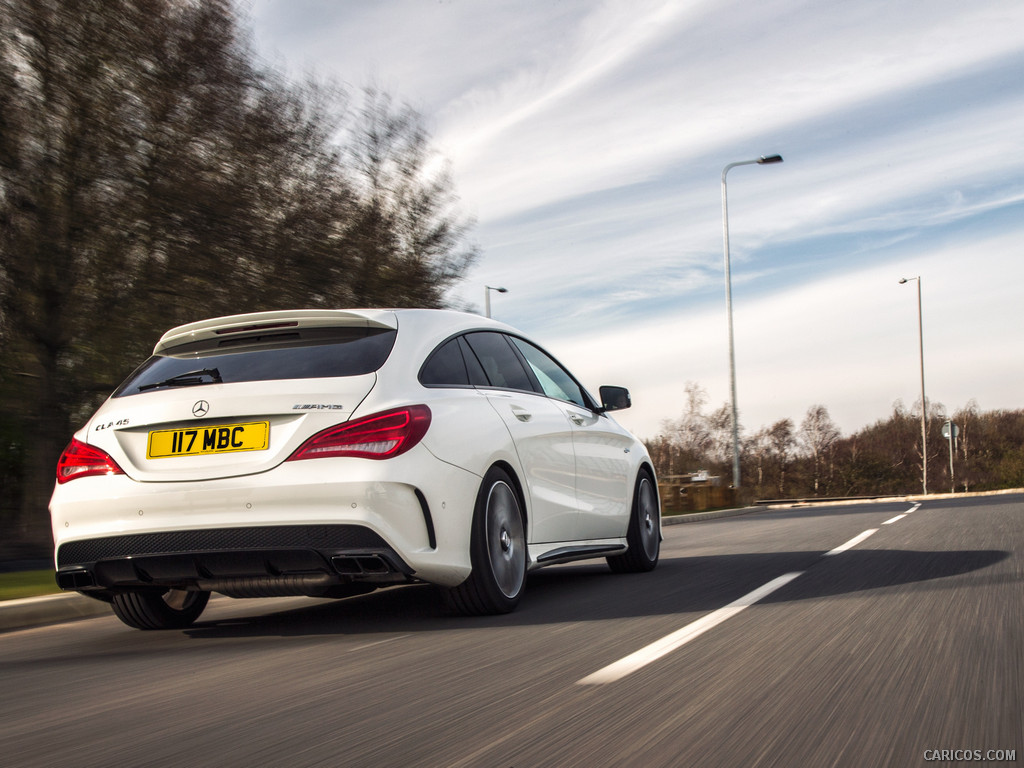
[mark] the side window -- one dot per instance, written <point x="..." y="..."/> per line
<point x="554" y="379"/>
<point x="445" y="367"/>
<point x="499" y="361"/>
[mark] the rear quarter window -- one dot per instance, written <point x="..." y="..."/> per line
<point x="445" y="367"/>
<point x="453" y="364"/>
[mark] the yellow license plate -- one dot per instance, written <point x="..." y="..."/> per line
<point x="220" y="438"/>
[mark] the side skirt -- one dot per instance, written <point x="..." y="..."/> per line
<point x="550" y="554"/>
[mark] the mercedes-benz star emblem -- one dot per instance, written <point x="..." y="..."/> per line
<point x="201" y="408"/>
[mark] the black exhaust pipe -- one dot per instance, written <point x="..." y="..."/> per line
<point x="360" y="565"/>
<point x="76" y="579"/>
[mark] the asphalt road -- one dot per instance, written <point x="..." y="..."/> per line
<point x="905" y="645"/>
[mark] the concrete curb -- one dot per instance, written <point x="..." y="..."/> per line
<point x="696" y="517"/>
<point x="49" y="609"/>
<point x="767" y="506"/>
<point x="796" y="503"/>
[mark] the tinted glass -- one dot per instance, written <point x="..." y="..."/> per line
<point x="477" y="377"/>
<point x="445" y="368"/>
<point x="299" y="354"/>
<point x="554" y="379"/>
<point x="499" y="361"/>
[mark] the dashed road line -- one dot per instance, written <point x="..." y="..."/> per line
<point x="852" y="542"/>
<point x="679" y="638"/>
<point x="899" y="517"/>
<point x="671" y="642"/>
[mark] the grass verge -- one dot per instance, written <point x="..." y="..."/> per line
<point x="27" y="584"/>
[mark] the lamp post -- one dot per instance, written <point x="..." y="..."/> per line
<point x="924" y="405"/>
<point x="766" y="160"/>
<point x="487" y="298"/>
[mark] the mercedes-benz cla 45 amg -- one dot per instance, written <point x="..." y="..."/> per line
<point x="331" y="452"/>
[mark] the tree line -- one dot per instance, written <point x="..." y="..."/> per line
<point x="814" y="459"/>
<point x="153" y="172"/>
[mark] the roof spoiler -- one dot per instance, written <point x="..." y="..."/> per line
<point x="258" y="321"/>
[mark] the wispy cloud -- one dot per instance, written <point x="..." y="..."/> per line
<point x="706" y="82"/>
<point x="589" y="139"/>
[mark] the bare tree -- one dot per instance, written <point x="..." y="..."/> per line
<point x="758" y="450"/>
<point x="690" y="433"/>
<point x="819" y="434"/>
<point x="720" y="432"/>
<point x="406" y="241"/>
<point x="783" y="442"/>
<point x="152" y="173"/>
<point x="968" y="419"/>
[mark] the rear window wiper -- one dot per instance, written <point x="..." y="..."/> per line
<point x="187" y="379"/>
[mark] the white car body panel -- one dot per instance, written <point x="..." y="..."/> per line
<point x="542" y="438"/>
<point x="605" y="472"/>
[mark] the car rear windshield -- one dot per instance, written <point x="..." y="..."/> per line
<point x="307" y="353"/>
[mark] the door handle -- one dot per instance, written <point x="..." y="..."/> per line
<point x="521" y="413"/>
<point x="576" y="419"/>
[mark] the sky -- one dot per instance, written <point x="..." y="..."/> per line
<point x="588" y="139"/>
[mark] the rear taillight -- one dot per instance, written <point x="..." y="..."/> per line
<point x="379" y="436"/>
<point x="81" y="460"/>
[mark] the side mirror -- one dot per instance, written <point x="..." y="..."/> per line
<point x="614" y="399"/>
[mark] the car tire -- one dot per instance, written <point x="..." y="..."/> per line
<point x="174" y="609"/>
<point x="644" y="534"/>
<point x="497" y="551"/>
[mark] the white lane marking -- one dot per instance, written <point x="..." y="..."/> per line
<point x="648" y="654"/>
<point x="629" y="664"/>
<point x="852" y="542"/>
<point x="892" y="520"/>
<point x="378" y="642"/>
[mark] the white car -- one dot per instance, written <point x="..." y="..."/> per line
<point x="331" y="452"/>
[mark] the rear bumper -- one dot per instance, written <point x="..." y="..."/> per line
<point x="316" y="523"/>
<point x="242" y="562"/>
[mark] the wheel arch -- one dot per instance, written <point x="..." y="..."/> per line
<point x="517" y="486"/>
<point x="648" y="468"/>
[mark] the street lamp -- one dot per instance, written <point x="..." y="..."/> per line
<point x="924" y="406"/>
<point x="766" y="160"/>
<point x="487" y="298"/>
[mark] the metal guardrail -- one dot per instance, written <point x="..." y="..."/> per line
<point x="821" y="499"/>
